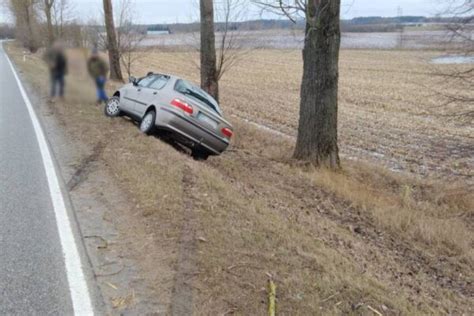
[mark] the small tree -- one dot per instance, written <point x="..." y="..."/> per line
<point x="112" y="45"/>
<point x="229" y="39"/>
<point x="317" y="131"/>
<point x="25" y="13"/>
<point x="62" y="11"/>
<point x="230" y="45"/>
<point x="129" y="36"/>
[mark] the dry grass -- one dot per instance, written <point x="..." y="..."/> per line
<point x="335" y="243"/>
<point x="396" y="206"/>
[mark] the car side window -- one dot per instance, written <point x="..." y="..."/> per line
<point x="145" y="82"/>
<point x="159" y="83"/>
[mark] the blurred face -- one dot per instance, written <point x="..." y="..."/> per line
<point x="58" y="45"/>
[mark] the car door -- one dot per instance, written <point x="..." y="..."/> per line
<point x="135" y="96"/>
<point x="149" y="94"/>
<point x="126" y="103"/>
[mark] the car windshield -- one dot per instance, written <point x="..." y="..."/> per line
<point x="191" y="90"/>
<point x="145" y="81"/>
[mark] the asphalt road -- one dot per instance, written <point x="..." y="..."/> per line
<point x="33" y="277"/>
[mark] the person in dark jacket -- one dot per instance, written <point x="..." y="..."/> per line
<point x="98" y="70"/>
<point x="57" y="63"/>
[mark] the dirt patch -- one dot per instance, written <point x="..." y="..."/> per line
<point x="84" y="167"/>
<point x="186" y="267"/>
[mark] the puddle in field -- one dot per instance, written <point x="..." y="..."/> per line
<point x="453" y="59"/>
<point x="264" y="127"/>
<point x="294" y="39"/>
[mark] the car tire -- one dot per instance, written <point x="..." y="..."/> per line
<point x="200" y="154"/>
<point x="112" y="108"/>
<point x="147" y="124"/>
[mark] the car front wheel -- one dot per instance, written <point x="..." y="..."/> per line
<point x="112" y="107"/>
<point x="148" y="122"/>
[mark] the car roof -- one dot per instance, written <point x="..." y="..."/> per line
<point x="175" y="78"/>
<point x="168" y="75"/>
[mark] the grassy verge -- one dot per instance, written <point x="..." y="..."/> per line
<point x="334" y="243"/>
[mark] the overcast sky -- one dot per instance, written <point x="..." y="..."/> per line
<point x="170" y="11"/>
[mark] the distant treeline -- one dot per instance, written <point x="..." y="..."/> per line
<point x="379" y="20"/>
<point x="247" y="25"/>
<point x="383" y="20"/>
<point x="359" y="24"/>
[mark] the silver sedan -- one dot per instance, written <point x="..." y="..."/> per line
<point x="172" y="104"/>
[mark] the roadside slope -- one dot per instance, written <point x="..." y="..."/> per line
<point x="334" y="243"/>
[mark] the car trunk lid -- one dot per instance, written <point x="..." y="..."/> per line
<point x="208" y="118"/>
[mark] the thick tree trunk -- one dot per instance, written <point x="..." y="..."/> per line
<point x="317" y="132"/>
<point x="32" y="45"/>
<point x="114" y="56"/>
<point x="209" y="81"/>
<point x="48" y="4"/>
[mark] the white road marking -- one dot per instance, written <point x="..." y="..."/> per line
<point x="77" y="282"/>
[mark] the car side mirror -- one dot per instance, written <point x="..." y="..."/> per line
<point x="133" y="80"/>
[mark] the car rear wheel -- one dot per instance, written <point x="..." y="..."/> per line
<point x="148" y="122"/>
<point x="200" y="154"/>
<point x="112" y="107"/>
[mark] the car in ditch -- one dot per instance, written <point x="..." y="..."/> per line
<point x="174" y="105"/>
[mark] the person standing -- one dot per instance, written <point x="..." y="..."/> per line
<point x="57" y="63"/>
<point x="98" y="70"/>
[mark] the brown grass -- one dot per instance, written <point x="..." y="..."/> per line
<point x="334" y="243"/>
<point x="395" y="206"/>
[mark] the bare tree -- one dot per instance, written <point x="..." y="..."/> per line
<point x="459" y="79"/>
<point x="54" y="13"/>
<point x="48" y="9"/>
<point x="209" y="79"/>
<point x="317" y="132"/>
<point x="112" y="44"/>
<point x="129" y="36"/>
<point x="228" y="48"/>
<point x="61" y="15"/>
<point x="26" y="22"/>
<point x="129" y="47"/>
<point x="85" y="35"/>
<point x="230" y="39"/>
<point x="230" y="43"/>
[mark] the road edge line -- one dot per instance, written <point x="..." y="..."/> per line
<point x="79" y="291"/>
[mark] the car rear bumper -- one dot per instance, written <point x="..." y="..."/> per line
<point x="177" y="122"/>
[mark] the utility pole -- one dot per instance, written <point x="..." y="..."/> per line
<point x="400" y="26"/>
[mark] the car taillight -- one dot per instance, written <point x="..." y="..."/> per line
<point x="182" y="105"/>
<point x="227" y="132"/>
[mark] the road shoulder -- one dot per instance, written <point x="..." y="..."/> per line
<point x="110" y="235"/>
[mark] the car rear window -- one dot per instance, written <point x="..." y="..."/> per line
<point x="190" y="90"/>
